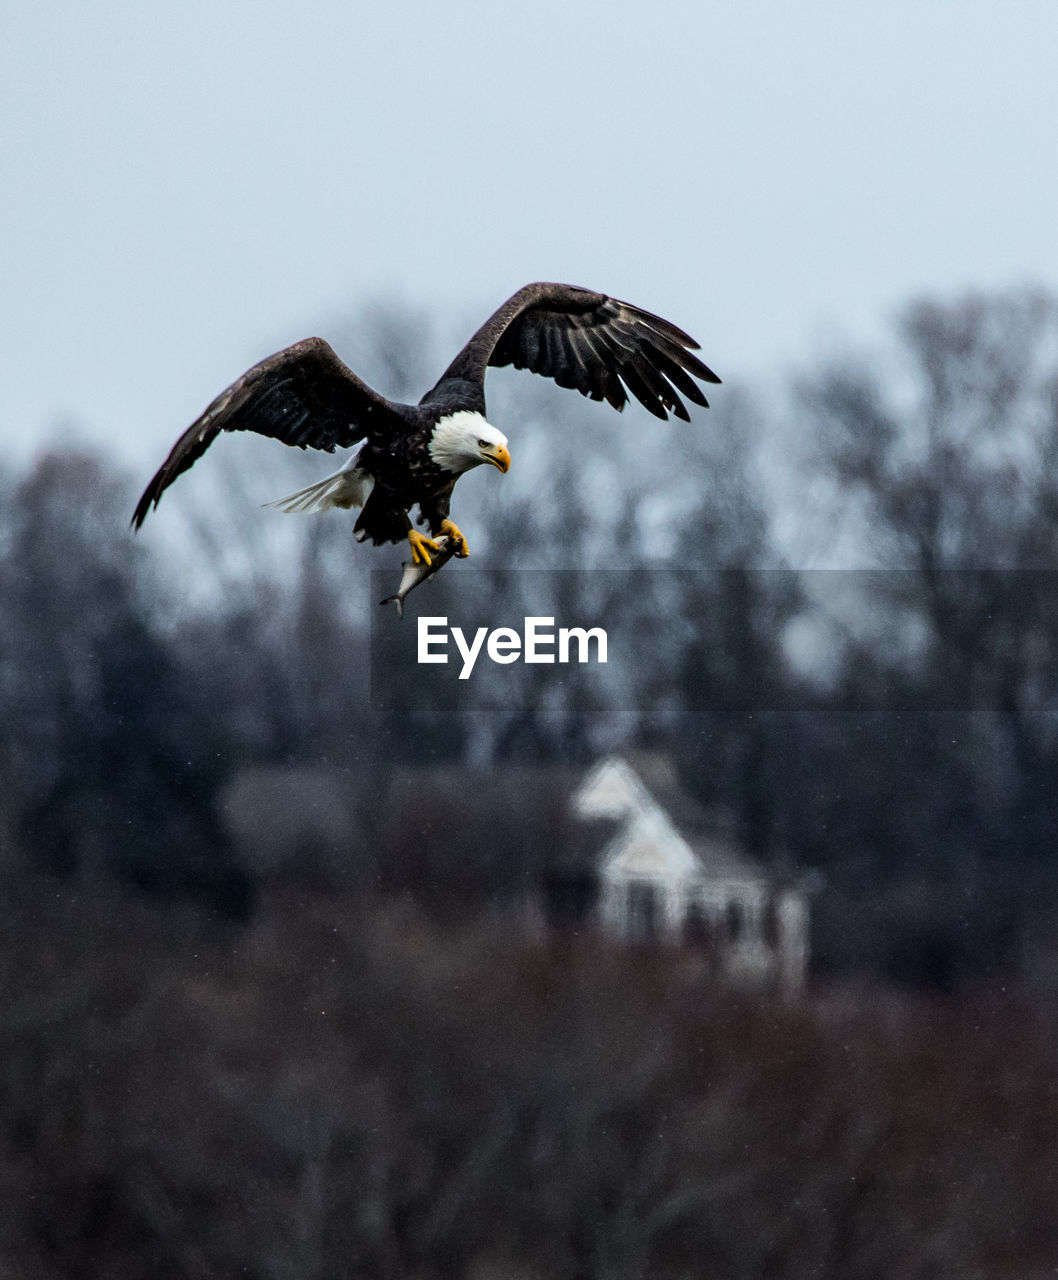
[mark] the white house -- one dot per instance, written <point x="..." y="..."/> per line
<point x="659" y="883"/>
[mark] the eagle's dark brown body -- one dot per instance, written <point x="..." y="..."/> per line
<point x="405" y="476"/>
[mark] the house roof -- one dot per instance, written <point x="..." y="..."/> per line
<point x="649" y="846"/>
<point x="657" y="771"/>
<point x="656" y="828"/>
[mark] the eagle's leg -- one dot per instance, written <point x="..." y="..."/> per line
<point x="422" y="547"/>
<point x="450" y="530"/>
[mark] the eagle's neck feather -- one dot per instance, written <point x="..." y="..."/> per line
<point x="453" y="444"/>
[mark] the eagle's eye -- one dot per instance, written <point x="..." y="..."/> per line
<point x="483" y="444"/>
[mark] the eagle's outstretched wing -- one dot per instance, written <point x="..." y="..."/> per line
<point x="303" y="395"/>
<point x="591" y="343"/>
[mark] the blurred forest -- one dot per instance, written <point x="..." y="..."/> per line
<point x="838" y="613"/>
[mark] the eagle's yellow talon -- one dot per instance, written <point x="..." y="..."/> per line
<point x="450" y="530"/>
<point x="421" y="547"/>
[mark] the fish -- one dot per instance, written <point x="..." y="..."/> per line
<point x="416" y="574"/>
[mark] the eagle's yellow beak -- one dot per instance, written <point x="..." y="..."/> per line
<point x="498" y="456"/>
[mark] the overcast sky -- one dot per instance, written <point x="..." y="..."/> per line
<point x="188" y="187"/>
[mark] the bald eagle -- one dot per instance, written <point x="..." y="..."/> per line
<point x="413" y="454"/>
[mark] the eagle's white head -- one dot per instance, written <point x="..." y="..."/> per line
<point x="464" y="440"/>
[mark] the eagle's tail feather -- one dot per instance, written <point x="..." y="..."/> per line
<point x="347" y="488"/>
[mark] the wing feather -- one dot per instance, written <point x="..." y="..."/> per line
<point x="607" y="385"/>
<point x="573" y="374"/>
<point x="662" y="391"/>
<point x="641" y="378"/>
<point x="612" y="388"/>
<point x="631" y="376"/>
<point x="304" y="396"/>
<point x="551" y="357"/>
<point x="590" y="343"/>
<point x="680" y="379"/>
<point x="684" y="358"/>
